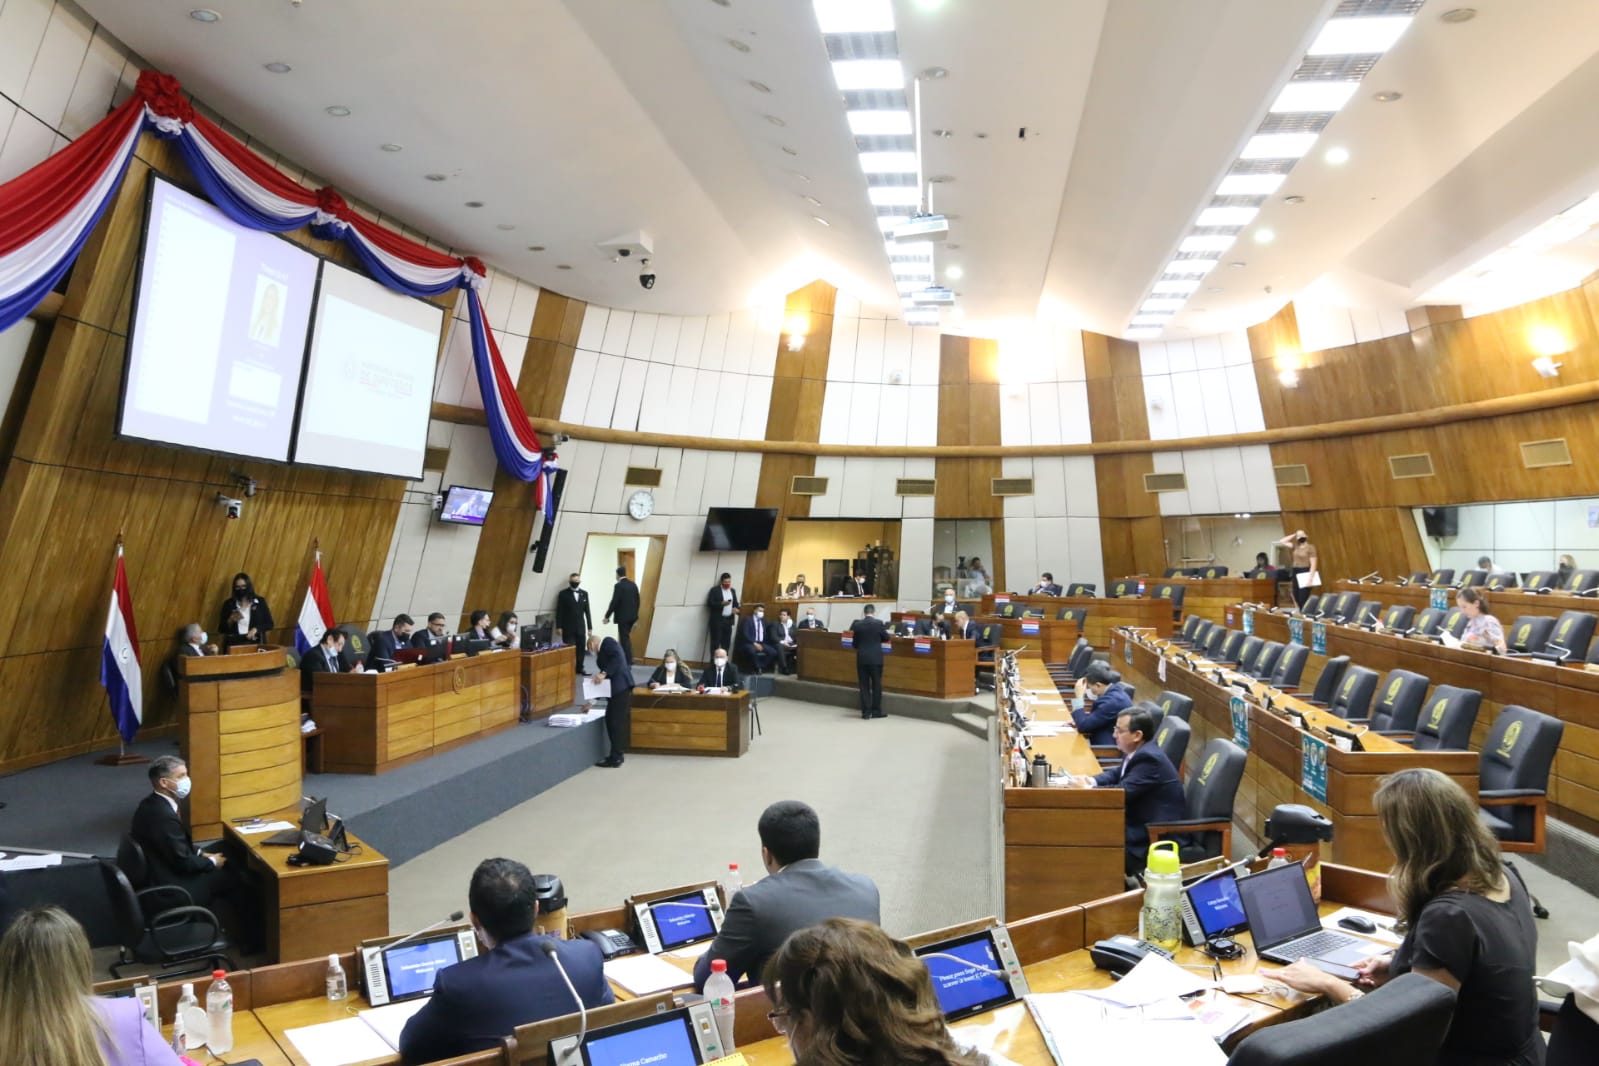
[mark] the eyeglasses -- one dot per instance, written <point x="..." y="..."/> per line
<point x="779" y="1019"/>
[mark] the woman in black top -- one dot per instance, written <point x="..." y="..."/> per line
<point x="1470" y="924"/>
<point x="246" y="618"/>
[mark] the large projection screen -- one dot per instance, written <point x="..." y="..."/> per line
<point x="369" y="380"/>
<point x="217" y="339"/>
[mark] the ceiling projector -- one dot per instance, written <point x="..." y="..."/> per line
<point x="923" y="228"/>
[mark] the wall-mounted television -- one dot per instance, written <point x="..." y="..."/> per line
<point x="1441" y="521"/>
<point x="466" y="506"/>
<point x="738" y="529"/>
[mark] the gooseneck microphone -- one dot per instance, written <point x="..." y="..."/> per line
<point x="455" y="916"/>
<point x="573" y="1053"/>
<point x="968" y="963"/>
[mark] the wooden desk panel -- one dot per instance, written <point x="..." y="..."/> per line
<point x="309" y="908"/>
<point x="945" y="671"/>
<point x="690" y="723"/>
<point x="550" y="680"/>
<point x="1210" y="597"/>
<point x="1506" y="604"/>
<point x="239" y="730"/>
<point x="1103" y="615"/>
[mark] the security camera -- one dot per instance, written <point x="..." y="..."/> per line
<point x="625" y="252"/>
<point x="247" y="483"/>
<point x="645" y="278"/>
<point x="235" y="508"/>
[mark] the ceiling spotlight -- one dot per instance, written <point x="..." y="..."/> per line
<point x="563" y="266"/>
<point x="474" y="203"/>
<point x="821" y="220"/>
<point x="1214" y="288"/>
<point x="774" y="120"/>
<point x="954" y="273"/>
<point x="759" y="86"/>
<point x="943" y="134"/>
<point x="1293" y="199"/>
<point x="278" y="68"/>
<point x="337" y="111"/>
<point x="801" y="177"/>
<point x="1264" y="236"/>
<point x="1458" y="14"/>
<point x="390" y="147"/>
<point x="1387" y="96"/>
<point x="436" y="177"/>
<point x="737" y="45"/>
<point x="1238" y="263"/>
<point x="1336" y="156"/>
<point x="204" y="14"/>
<point x="934" y="73"/>
<point x="505" y="226"/>
<point x="813" y="201"/>
<point x="535" y="247"/>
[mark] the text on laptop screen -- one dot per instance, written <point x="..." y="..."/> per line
<point x="682" y="920"/>
<point x="412" y="967"/>
<point x="1278" y="904"/>
<point x="666" y="1042"/>
<point x="1217" y="904"/>
<point x="966" y="988"/>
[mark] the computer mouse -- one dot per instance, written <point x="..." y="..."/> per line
<point x="1357" y="924"/>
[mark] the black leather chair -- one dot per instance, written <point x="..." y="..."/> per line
<point x="1418" y="577"/>
<point x="1399" y="618"/>
<point x="1427" y="621"/>
<point x="1174" y="593"/>
<point x="1072" y="614"/>
<point x="1572" y="635"/>
<point x="1175" y="705"/>
<point x="1582" y="581"/>
<point x="1355" y="689"/>
<point x="1007" y="610"/>
<point x="1540" y="581"/>
<point x="1454" y="622"/>
<point x="1398" y="703"/>
<point x="1231" y="645"/>
<point x="1174" y="571"/>
<point x="1290" y="666"/>
<point x="1082" y="588"/>
<point x="1344" y="607"/>
<point x="1171" y="736"/>
<point x="1470" y="579"/>
<point x="1213" y="571"/>
<point x="1327" y="684"/>
<point x="1219" y="636"/>
<point x="1247" y="652"/>
<point x="1032" y="612"/>
<point x="1312" y="607"/>
<point x="1403" y="1023"/>
<point x="1513" y="776"/>
<point x="1185" y="635"/>
<point x="1445" y="723"/>
<point x="1076" y="665"/>
<point x="1528" y="634"/>
<point x="1266" y="660"/>
<point x="1442" y="577"/>
<point x="1499" y="579"/>
<point x="1207" y="828"/>
<point x="1367" y="612"/>
<point x="1123" y="587"/>
<point x="159" y="925"/>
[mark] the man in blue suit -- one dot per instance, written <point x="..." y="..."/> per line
<point x="613" y="666"/>
<point x="397" y="638"/>
<point x="753" y="640"/>
<point x="1102" y="685"/>
<point x="1154" y="791"/>
<point x="513" y="982"/>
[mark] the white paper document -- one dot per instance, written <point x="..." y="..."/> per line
<point x="1071" y="1019"/>
<point x="264" y="827"/>
<point x="596" y="690"/>
<point x="1449" y="639"/>
<point x="388" y="1021"/>
<point x="339" y="1043"/>
<point x="567" y="721"/>
<point x="1309" y="579"/>
<point x="1153" y="979"/>
<point x="644" y="975"/>
<point x="13" y="863"/>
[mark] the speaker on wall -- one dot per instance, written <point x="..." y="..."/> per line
<point x="541" y="547"/>
<point x="1441" y="521"/>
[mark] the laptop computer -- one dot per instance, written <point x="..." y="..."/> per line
<point x="435" y="653"/>
<point x="1286" y="927"/>
<point x="313" y="819"/>
<point x="409" y="655"/>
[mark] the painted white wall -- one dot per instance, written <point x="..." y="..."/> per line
<point x="1326" y="325"/>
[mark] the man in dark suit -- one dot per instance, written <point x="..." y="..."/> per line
<point x="1154" y="790"/>
<point x="799" y="891"/>
<point x="624" y="605"/>
<point x="433" y="636"/>
<point x="480" y="1000"/>
<point x="958" y="627"/>
<point x="947" y="605"/>
<point x="810" y="621"/>
<point x="721" y="673"/>
<point x="394" y="639"/>
<point x="613" y="666"/>
<point x="573" y="619"/>
<point x="753" y="645"/>
<point x="194" y="641"/>
<point x="169" y="850"/>
<point x="721" y="609"/>
<point x="780" y="635"/>
<point x="1103" y="686"/>
<point x="870" y="636"/>
<point x="1046" y="586"/>
<point x="326" y="657"/>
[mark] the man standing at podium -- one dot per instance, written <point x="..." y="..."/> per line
<point x="624" y="605"/>
<point x="573" y="619"/>
<point x="870" y="637"/>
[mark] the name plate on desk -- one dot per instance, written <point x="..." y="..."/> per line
<point x="1249" y="621"/>
<point x="1240" y="713"/>
<point x="923" y="646"/>
<point x="1230" y="619"/>
<point x="1313" y="766"/>
<point x="1296" y="631"/>
<point x="846" y="640"/>
<point x="1000" y="599"/>
<point x="1029" y="627"/>
<point x="1318" y="637"/>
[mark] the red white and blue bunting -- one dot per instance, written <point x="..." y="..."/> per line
<point x="47" y="213"/>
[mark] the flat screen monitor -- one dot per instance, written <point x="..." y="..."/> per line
<point x="410" y="969"/>
<point x="658" y="1040"/>
<point x="738" y="529"/>
<point x="971" y="973"/>
<point x="369" y="379"/>
<point x="681" y="920"/>
<point x="1217" y="906"/>
<point x="466" y="506"/>
<point x="217" y="338"/>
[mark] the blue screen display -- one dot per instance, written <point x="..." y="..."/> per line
<point x="1217" y="905"/>
<point x="412" y="967"/>
<point x="962" y="987"/>
<point x="666" y="1043"/>
<point x="681" y="923"/>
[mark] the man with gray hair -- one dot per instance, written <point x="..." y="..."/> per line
<point x="194" y="641"/>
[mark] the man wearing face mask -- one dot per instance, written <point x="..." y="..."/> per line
<point x="624" y="606"/>
<point x="1046" y="586"/>
<point x="478" y="1001"/>
<point x="611" y="665"/>
<point x="394" y="639"/>
<point x="194" y="641"/>
<point x="947" y="605"/>
<point x="781" y="636"/>
<point x="721" y="673"/>
<point x="753" y="643"/>
<point x="721" y="606"/>
<point x="810" y="621"/>
<point x="169" y="850"/>
<point x="573" y="619"/>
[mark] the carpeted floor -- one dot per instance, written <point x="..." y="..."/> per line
<point x="900" y="799"/>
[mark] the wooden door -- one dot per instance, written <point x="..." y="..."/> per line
<point x="626" y="560"/>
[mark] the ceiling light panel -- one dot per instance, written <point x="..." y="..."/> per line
<point x="854" y="16"/>
<point x="1175" y="285"/>
<point x="888" y="162"/>
<point x="875" y="123"/>
<point x="1250" y="184"/>
<point x="894" y="195"/>
<point x="1227" y="216"/>
<point x="1206" y="242"/>
<point x="856" y="75"/>
<point x="1140" y="334"/>
<point x="1278" y="146"/>
<point x="1161" y="303"/>
<point x="1196" y="267"/>
<point x="1313" y="95"/>
<point x="1358" y="36"/>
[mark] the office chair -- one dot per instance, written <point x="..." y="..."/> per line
<point x="1473" y="579"/>
<point x="1398" y="704"/>
<point x="1175" y="705"/>
<point x="1121" y="588"/>
<point x="1247" y="652"/>
<point x="1082" y="588"/>
<point x="1344" y="607"/>
<point x="1399" y="618"/>
<point x="1427" y="621"/>
<point x="1402" y="1023"/>
<point x="1203" y="632"/>
<point x="1419" y="577"/>
<point x="1540" y="581"/>
<point x="1355" y="689"/>
<point x="1582" y="581"/>
<point x="1171" y="736"/>
<point x="1290" y="666"/>
<point x="1219" y="635"/>
<point x="1207" y="829"/>
<point x="1454" y="622"/>
<point x="1185" y="635"/>
<point x="1173" y="571"/>
<point x="1499" y="580"/>
<point x="1213" y="571"/>
<point x="1513" y="776"/>
<point x="1230" y="645"/>
<point x="1312" y="607"/>
<point x="1529" y="634"/>
<point x="1327" y="684"/>
<point x="1572" y="634"/>
<point x="1266" y="661"/>
<point x="1367" y="613"/>
<point x="159" y="925"/>
<point x="1073" y="614"/>
<point x="1174" y="593"/>
<point x="1442" y="577"/>
<point x="1008" y="611"/>
<point x="1032" y="612"/>
<point x="1446" y="723"/>
<point x="1573" y="1036"/>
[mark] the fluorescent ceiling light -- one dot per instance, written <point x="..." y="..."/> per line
<point x="1139" y="334"/>
<point x="891" y="222"/>
<point x="1358" y="36"/>
<point x="921" y="248"/>
<point x="1175" y="285"/>
<point x="888" y="162"/>
<point x="856" y="75"/>
<point x="1197" y="267"/>
<point x="1206" y="242"/>
<point x="1309" y="95"/>
<point x="854" y="16"/>
<point x="894" y="195"/>
<point x="1227" y="216"/>
<point x="1250" y="184"/>
<point x="879" y="123"/>
<point x="1278" y="145"/>
<point x="920" y="269"/>
<point x="922" y="316"/>
<point x="1150" y="320"/>
<point x="908" y="286"/>
<point x="1161" y="303"/>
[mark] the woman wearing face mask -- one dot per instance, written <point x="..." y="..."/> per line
<point x="508" y="632"/>
<point x="672" y="672"/>
<point x="848" y="994"/>
<point x="246" y="618"/>
<point x="720" y="674"/>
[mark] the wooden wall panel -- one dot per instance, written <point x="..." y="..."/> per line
<point x="1130" y="533"/>
<point x="968" y="413"/>
<point x="70" y="487"/>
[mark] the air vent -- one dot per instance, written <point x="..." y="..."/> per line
<point x="1011" y="486"/>
<point x="1293" y="475"/>
<point x="1405" y="466"/>
<point x="1536" y="453"/>
<point x="808" y="486"/>
<point x="648" y="476"/>
<point x="1165" y="482"/>
<point x="915" y="486"/>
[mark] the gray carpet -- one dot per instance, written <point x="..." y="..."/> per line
<point x="900" y="799"/>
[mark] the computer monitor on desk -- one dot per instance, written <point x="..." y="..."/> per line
<point x="975" y="972"/>
<point x="407" y="969"/>
<point x="684" y="1037"/>
<point x="675" y="921"/>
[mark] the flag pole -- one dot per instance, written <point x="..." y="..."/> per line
<point x="122" y="757"/>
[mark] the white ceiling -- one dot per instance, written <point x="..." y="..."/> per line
<point x="580" y="120"/>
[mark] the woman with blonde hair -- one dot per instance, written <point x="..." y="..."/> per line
<point x="848" y="994"/>
<point x="49" y="1015"/>
<point x="1469" y="922"/>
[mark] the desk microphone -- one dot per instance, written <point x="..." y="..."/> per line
<point x="454" y="917"/>
<point x="572" y="1053"/>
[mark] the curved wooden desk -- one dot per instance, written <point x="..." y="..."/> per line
<point x="945" y="670"/>
<point x="1104" y="613"/>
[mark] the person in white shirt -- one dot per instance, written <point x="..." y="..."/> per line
<point x="720" y="674"/>
<point x="194" y="641"/>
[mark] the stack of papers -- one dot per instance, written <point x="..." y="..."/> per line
<point x="13" y="863"/>
<point x="567" y="721"/>
<point x="644" y="975"/>
<point x="1140" y="1018"/>
<point x="388" y="1021"/>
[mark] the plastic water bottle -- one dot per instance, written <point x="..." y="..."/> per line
<point x="719" y="993"/>
<point x="219" y="1014"/>
<point x="180" y="1036"/>
<point x="1160" y="921"/>
<point x="1279" y="857"/>
<point x="185" y="1001"/>
<point x="338" y="984"/>
<point x="732" y="883"/>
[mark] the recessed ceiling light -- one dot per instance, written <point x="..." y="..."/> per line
<point x="563" y="266"/>
<point x="888" y="162"/>
<point x="1206" y="242"/>
<point x="1314" y="95"/>
<point x="1387" y="96"/>
<point x="278" y="68"/>
<point x="722" y="3"/>
<point x="1293" y="199"/>
<point x="204" y="14"/>
<point x="535" y="247"/>
<point x="854" y="16"/>
<point x="436" y="177"/>
<point x="953" y="272"/>
<point x="934" y="73"/>
<point x="981" y="136"/>
<point x="474" y="203"/>
<point x="391" y="147"/>
<point x="894" y="195"/>
<point x="819" y="218"/>
<point x="1161" y="303"/>
<point x="1358" y="35"/>
<point x="789" y="151"/>
<point x="337" y="111"/>
<point x="1249" y="184"/>
<point x="1237" y="263"/>
<point x="1227" y="216"/>
<point x="879" y="123"/>
<point x="505" y="226"/>
<point x="942" y="134"/>
<point x="1458" y="14"/>
<point x="1277" y="146"/>
<point x="813" y="201"/>
<point x="1196" y="267"/>
<point x="1151" y="320"/>
<point x="1337" y="156"/>
<point x="864" y="75"/>
<point x="952" y="247"/>
<point x="1176" y="285"/>
<point x="1264" y="236"/>
<point x="774" y="120"/>
<point x="759" y="86"/>
<point x="737" y="45"/>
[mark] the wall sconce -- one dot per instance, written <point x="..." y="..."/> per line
<point x="1547" y="341"/>
<point x="797" y="327"/>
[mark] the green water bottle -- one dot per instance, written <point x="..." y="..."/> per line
<point x="1160" y="921"/>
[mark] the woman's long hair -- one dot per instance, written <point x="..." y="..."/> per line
<point x="249" y="592"/>
<point x="857" y="997"/>
<point x="1431" y="825"/>
<point x="46" y="977"/>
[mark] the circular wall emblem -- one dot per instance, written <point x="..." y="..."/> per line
<point x="458" y="679"/>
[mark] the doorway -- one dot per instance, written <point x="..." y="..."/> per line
<point x="641" y="556"/>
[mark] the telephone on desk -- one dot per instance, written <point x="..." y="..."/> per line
<point x="611" y="942"/>
<point x="1121" y="953"/>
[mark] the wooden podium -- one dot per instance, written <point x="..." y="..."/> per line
<point x="239" y="729"/>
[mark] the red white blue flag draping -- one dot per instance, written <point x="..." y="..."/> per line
<point x="316" y="612"/>
<point x="120" y="670"/>
<point x="48" y="212"/>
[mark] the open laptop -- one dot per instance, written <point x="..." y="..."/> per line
<point x="313" y="819"/>
<point x="1286" y="927"/>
